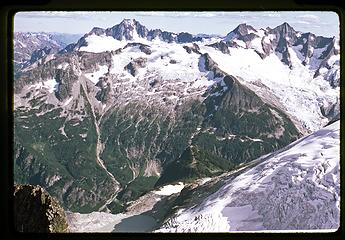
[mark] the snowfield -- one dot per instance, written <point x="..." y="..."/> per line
<point x="296" y="188"/>
<point x="99" y="44"/>
<point x="94" y="77"/>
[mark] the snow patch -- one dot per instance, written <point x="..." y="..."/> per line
<point x="50" y="85"/>
<point x="94" y="76"/>
<point x="63" y="66"/>
<point x="102" y="43"/>
<point x="170" y="189"/>
<point x="67" y="102"/>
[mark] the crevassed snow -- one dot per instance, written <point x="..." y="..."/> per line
<point x="21" y="43"/>
<point x="99" y="221"/>
<point x="296" y="188"/>
<point x="170" y="189"/>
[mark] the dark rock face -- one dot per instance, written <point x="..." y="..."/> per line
<point x="222" y="46"/>
<point x="36" y="211"/>
<point x="97" y="31"/>
<point x="163" y="35"/>
<point x="282" y="48"/>
<point x="187" y="37"/>
<point x="242" y="32"/>
<point x="195" y="48"/>
<point x="125" y="30"/>
<point x="184" y="37"/>
<point x="285" y="30"/>
<point x="168" y="36"/>
<point x="210" y="65"/>
<point x="40" y="53"/>
<point x="334" y="119"/>
<point x="104" y="85"/>
<point x="142" y="47"/>
<point x="134" y="65"/>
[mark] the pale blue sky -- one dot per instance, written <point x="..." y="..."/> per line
<point x="324" y="23"/>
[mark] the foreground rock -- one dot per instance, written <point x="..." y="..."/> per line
<point x="36" y="211"/>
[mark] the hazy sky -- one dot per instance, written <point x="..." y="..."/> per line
<point x="324" y="23"/>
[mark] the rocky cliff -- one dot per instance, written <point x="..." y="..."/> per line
<point x="36" y="211"/>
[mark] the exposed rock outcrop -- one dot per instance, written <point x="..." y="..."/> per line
<point x="133" y="66"/>
<point x="36" y="211"/>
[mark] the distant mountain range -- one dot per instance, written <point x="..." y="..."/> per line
<point x="29" y="47"/>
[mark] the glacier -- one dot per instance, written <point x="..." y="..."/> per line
<point x="295" y="188"/>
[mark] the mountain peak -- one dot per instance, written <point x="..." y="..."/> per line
<point x="284" y="28"/>
<point x="128" y="29"/>
<point x="97" y="31"/>
<point x="129" y="21"/>
<point x="244" y="29"/>
<point x="240" y="31"/>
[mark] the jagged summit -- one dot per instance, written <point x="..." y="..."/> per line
<point x="131" y="30"/>
<point x="240" y="31"/>
<point x="129" y="21"/>
<point x="285" y="30"/>
<point x="244" y="28"/>
<point x="128" y="29"/>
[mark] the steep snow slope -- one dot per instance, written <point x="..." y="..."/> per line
<point x="296" y="188"/>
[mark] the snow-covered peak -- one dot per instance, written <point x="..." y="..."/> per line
<point x="296" y="188"/>
<point x="128" y="29"/>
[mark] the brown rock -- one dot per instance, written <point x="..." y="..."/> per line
<point x="36" y="211"/>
